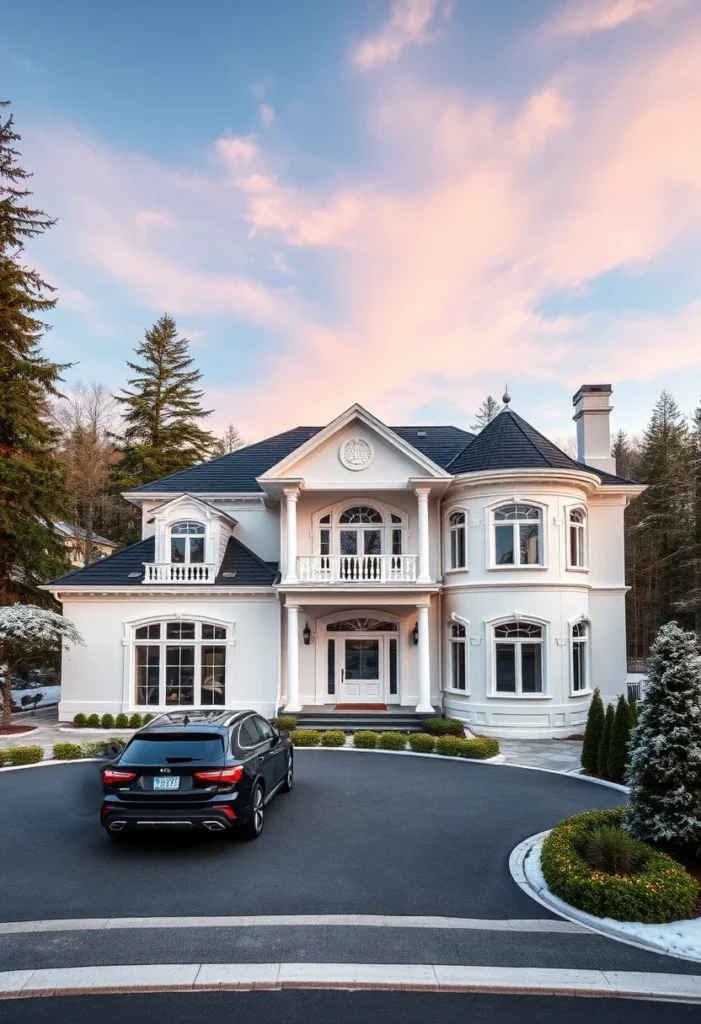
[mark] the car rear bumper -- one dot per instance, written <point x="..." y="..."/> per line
<point x="214" y="818"/>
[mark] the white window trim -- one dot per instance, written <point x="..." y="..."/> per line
<point x="585" y="544"/>
<point x="490" y="523"/>
<point x="587" y="691"/>
<point x="186" y="537"/>
<point x="334" y="527"/>
<point x="490" y="625"/>
<point x="447" y="532"/>
<point x="130" y="643"/>
<point x="401" y="634"/>
<point x="457" y="620"/>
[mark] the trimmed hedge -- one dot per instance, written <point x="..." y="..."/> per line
<point x="305" y="737"/>
<point x="148" y="718"/>
<point x="288" y="722"/>
<point x="14" y="756"/>
<point x="333" y="738"/>
<point x="451" y="746"/>
<point x="68" y="751"/>
<point x="480" y="748"/>
<point x="107" y="721"/>
<point x="443" y="727"/>
<point x="422" y="743"/>
<point x="122" y="721"/>
<point x="660" y="892"/>
<point x="365" y="739"/>
<point x="96" y="748"/>
<point x="136" y="721"/>
<point x="93" y="721"/>
<point x="391" y="741"/>
<point x="80" y="720"/>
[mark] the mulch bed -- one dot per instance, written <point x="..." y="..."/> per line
<point x="12" y="729"/>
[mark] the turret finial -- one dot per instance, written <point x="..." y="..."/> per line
<point x="506" y="397"/>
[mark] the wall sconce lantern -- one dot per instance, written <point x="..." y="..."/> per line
<point x="415" y="634"/>
<point x="307" y="634"/>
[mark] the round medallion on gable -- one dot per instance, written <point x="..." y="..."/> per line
<point x="356" y="453"/>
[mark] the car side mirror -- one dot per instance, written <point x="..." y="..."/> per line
<point x="283" y="734"/>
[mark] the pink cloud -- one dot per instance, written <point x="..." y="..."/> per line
<point x="588" y="17"/>
<point x="153" y="219"/>
<point x="267" y="115"/>
<point x="241" y="149"/>
<point x="409" y="24"/>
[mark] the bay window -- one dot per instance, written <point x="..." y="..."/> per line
<point x="518" y="658"/>
<point x="518" y="537"/>
<point x="180" y="664"/>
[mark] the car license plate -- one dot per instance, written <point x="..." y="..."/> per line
<point x="172" y="782"/>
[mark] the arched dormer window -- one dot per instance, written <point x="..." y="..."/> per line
<point x="518" y="535"/>
<point x="187" y="543"/>
<point x="577" y="548"/>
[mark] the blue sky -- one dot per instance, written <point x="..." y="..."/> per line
<point x="404" y="203"/>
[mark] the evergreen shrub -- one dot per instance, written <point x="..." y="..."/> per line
<point x="122" y="721"/>
<point x="658" y="892"/>
<point x="592" y="734"/>
<point x="288" y="722"/>
<point x="391" y="741"/>
<point x="148" y="718"/>
<point x="422" y="742"/>
<point x="136" y="721"/>
<point x="93" y="721"/>
<point x="451" y="746"/>
<point x="365" y="739"/>
<point x="481" y="748"/>
<point x="333" y="738"/>
<point x="305" y="737"/>
<point x="104" y="748"/>
<point x="602" y="757"/>
<point x="107" y="721"/>
<point x="443" y="727"/>
<point x="68" y="751"/>
<point x="620" y="742"/>
<point x="24" y="755"/>
<point x="80" y="720"/>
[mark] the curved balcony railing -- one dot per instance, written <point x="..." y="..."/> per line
<point x="172" y="572"/>
<point x="375" y="569"/>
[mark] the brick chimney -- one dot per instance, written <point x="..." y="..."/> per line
<point x="592" y="408"/>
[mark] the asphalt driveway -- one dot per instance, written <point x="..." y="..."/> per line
<point x="359" y="834"/>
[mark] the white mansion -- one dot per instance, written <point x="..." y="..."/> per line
<point x="412" y="569"/>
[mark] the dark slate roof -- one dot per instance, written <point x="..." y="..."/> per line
<point x="508" y="442"/>
<point x="237" y="471"/>
<point x="116" y="570"/>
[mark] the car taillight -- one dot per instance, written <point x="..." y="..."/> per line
<point x="113" y="775"/>
<point x="221" y="775"/>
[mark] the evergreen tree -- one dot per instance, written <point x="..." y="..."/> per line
<point x="160" y="432"/>
<point x="230" y="442"/>
<point x="633" y="706"/>
<point x="620" y="741"/>
<point x="592" y="734"/>
<point x="602" y="757"/>
<point x="31" y="492"/>
<point x="486" y="412"/>
<point x="665" y="770"/>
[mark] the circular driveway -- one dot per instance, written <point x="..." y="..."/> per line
<point x="359" y="834"/>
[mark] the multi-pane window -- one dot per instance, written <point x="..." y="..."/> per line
<point x="458" y="641"/>
<point x="187" y="543"/>
<point x="518" y="535"/>
<point x="577" y="527"/>
<point x="180" y="664"/>
<point x="580" y="661"/>
<point x="518" y="658"/>
<point x="456" y="529"/>
<point x="396" y="534"/>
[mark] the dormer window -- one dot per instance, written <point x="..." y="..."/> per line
<point x="187" y="543"/>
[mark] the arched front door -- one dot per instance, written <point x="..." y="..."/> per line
<point x="362" y="657"/>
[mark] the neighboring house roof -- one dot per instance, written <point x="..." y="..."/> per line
<point x="237" y="471"/>
<point x="80" y="534"/>
<point x="508" y="442"/>
<point x="117" y="570"/>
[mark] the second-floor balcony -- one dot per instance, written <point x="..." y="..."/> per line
<point x="179" y="572"/>
<point x="373" y="569"/>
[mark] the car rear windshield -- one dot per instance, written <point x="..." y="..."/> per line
<point x="174" y="748"/>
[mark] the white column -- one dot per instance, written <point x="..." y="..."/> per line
<point x="293" y="659"/>
<point x="424" y="568"/>
<point x="291" y="495"/>
<point x="424" y="704"/>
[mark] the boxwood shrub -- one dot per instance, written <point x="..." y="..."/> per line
<point x="136" y="721"/>
<point x="67" y="751"/>
<point x="288" y="722"/>
<point x="305" y="737"/>
<point x="148" y="718"/>
<point x="80" y="720"/>
<point x="23" y="755"/>
<point x="122" y="721"/>
<point x="333" y="738"/>
<point x="365" y="739"/>
<point x="103" y="748"/>
<point x="93" y="721"/>
<point x="391" y="741"/>
<point x="107" y="721"/>
<point x="661" y="890"/>
<point x="481" y="748"/>
<point x="422" y="743"/>
<point x="451" y="746"/>
<point x="443" y="727"/>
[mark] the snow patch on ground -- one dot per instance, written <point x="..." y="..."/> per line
<point x="681" y="938"/>
<point x="51" y="695"/>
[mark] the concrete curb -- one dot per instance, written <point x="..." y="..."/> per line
<point x="518" y="866"/>
<point x="48" y="763"/>
<point x="383" y="977"/>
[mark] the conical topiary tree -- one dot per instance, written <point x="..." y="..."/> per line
<point x="633" y="706"/>
<point x="602" y="757"/>
<point x="665" y="769"/>
<point x="620" y="742"/>
<point x="592" y="734"/>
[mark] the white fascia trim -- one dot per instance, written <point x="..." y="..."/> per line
<point x="355" y="411"/>
<point x="137" y="497"/>
<point x="588" y="481"/>
<point x="164" y="591"/>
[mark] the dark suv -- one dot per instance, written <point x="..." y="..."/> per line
<point x="211" y="770"/>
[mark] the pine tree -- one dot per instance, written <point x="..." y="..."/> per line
<point x="486" y="412"/>
<point x="620" y="741"/>
<point x="31" y="492"/>
<point x="230" y="442"/>
<point x="602" y="757"/>
<point x="160" y="434"/>
<point x="665" y="770"/>
<point x="592" y="734"/>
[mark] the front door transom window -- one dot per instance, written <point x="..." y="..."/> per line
<point x="362" y="625"/>
<point x="180" y="664"/>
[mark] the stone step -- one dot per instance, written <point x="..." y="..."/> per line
<point x="352" y="721"/>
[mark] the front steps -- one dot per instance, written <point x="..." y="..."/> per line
<point x="353" y="721"/>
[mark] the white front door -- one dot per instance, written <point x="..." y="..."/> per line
<point x="362" y="669"/>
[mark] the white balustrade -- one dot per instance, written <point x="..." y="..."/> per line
<point x="356" y="568"/>
<point x="172" y="572"/>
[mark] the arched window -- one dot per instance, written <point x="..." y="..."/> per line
<point x="187" y="543"/>
<point x="580" y="657"/>
<point x="179" y="664"/>
<point x="577" y="545"/>
<point x="360" y="514"/>
<point x="361" y="531"/>
<point x="458" y="660"/>
<point x="457" y="522"/>
<point x="518" y="658"/>
<point x="518" y="535"/>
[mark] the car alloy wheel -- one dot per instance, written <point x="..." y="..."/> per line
<point x="289" y="776"/>
<point x="257" y="810"/>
